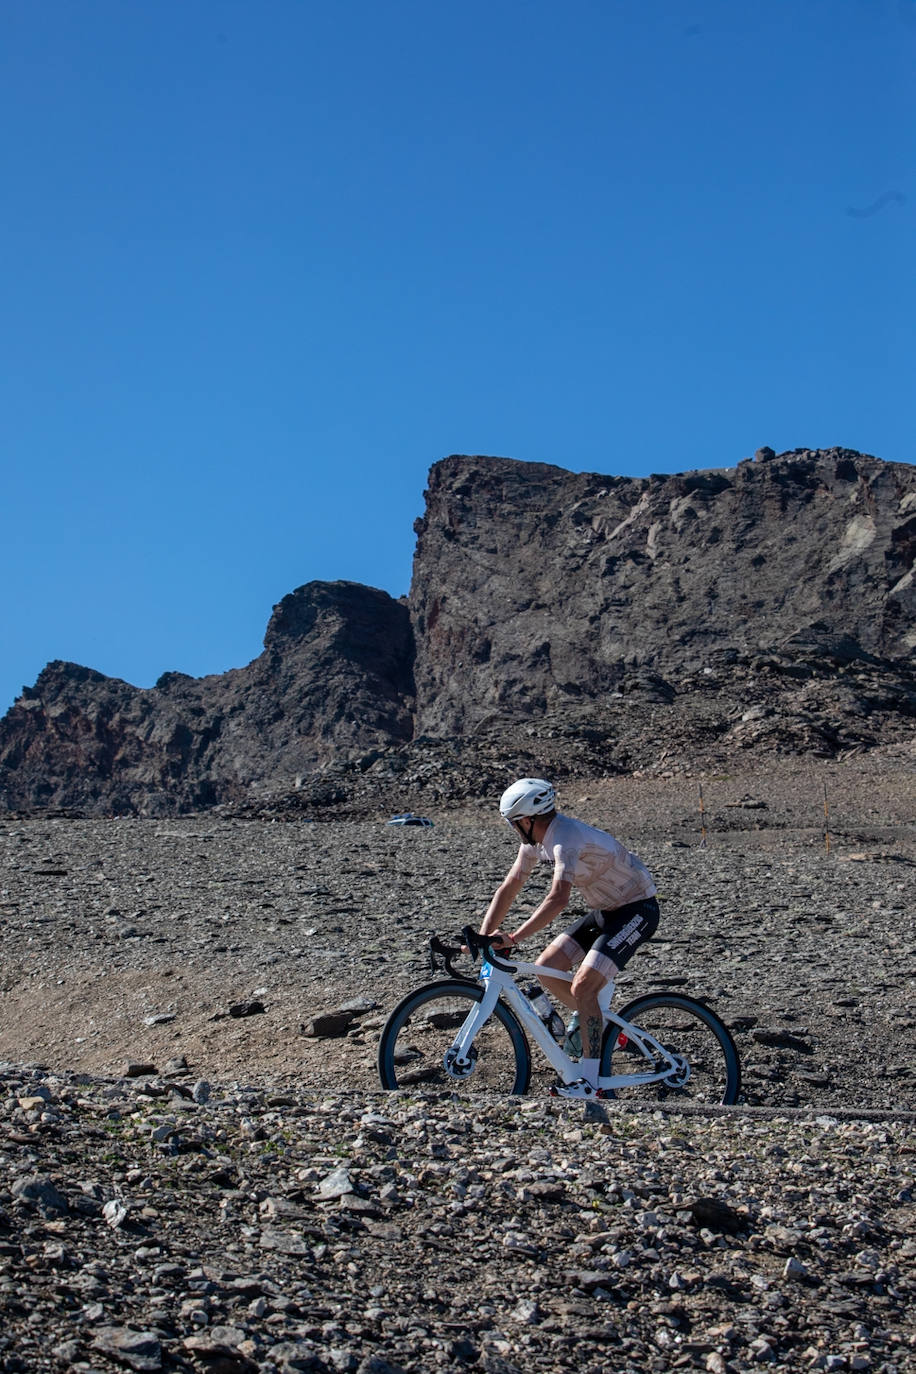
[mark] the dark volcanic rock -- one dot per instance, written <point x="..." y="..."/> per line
<point x="576" y="624"/>
<point x="536" y="588"/>
<point x="334" y="678"/>
<point x="494" y="1236"/>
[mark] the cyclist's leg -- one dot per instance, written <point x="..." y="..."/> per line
<point x="590" y="980"/>
<point x="621" y="933"/>
<point x="573" y="947"/>
<point x="560" y="954"/>
<point x="565" y="951"/>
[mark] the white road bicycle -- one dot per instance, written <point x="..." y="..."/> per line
<point x="474" y="1033"/>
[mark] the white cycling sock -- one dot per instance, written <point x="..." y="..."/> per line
<point x="588" y="1069"/>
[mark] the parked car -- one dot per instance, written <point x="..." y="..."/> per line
<point x="408" y="818"/>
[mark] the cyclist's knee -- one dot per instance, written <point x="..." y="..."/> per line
<point x="588" y="982"/>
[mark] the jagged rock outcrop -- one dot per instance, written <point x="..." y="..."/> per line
<point x="570" y="621"/>
<point x="334" y="679"/>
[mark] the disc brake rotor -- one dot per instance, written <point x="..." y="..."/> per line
<point x="456" y="1069"/>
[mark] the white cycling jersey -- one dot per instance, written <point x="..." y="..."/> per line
<point x="603" y="869"/>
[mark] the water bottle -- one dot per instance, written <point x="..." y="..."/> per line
<point x="573" y="1042"/>
<point x="545" y="1010"/>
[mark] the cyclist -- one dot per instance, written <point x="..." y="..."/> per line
<point x="617" y="887"/>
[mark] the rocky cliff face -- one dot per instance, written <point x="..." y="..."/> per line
<point x="557" y="621"/>
<point x="536" y="588"/>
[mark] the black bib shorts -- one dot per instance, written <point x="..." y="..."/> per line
<point x="617" y="933"/>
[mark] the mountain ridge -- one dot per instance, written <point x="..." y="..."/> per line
<point x="599" y="623"/>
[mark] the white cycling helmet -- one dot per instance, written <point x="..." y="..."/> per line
<point x="527" y="797"/>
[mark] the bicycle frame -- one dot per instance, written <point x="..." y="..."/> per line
<point x="499" y="983"/>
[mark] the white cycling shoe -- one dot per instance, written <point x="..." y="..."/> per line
<point x="580" y="1090"/>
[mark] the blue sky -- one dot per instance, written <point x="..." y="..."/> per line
<point x="262" y="264"/>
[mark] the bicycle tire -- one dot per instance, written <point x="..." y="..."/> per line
<point x="690" y="1028"/>
<point x="417" y="1036"/>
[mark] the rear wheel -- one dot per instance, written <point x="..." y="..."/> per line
<point x="708" y="1069"/>
<point x="416" y="1044"/>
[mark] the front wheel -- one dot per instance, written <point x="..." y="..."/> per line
<point x="417" y="1043"/>
<point x="706" y="1068"/>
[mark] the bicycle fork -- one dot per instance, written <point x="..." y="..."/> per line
<point x="461" y="1055"/>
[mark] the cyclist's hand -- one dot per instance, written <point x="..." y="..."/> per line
<point x="496" y="938"/>
<point x="500" y="941"/>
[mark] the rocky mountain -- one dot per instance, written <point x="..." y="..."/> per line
<point x="335" y="673"/>
<point x="567" y="621"/>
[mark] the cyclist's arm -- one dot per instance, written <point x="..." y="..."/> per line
<point x="557" y="900"/>
<point x="502" y="900"/>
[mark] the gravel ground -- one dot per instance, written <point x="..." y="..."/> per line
<point x="200" y="951"/>
<point x="147" y="1226"/>
<point x="131" y="940"/>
